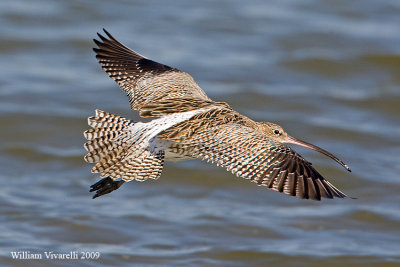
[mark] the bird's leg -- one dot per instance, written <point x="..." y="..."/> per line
<point x="105" y="186"/>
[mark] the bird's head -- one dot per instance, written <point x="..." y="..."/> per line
<point x="277" y="133"/>
<point x="273" y="131"/>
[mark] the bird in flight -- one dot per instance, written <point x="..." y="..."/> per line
<point x="187" y="124"/>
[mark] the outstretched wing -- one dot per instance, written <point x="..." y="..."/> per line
<point x="251" y="155"/>
<point x="144" y="81"/>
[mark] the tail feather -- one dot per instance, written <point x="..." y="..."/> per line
<point x="98" y="152"/>
<point x="112" y="147"/>
<point x="106" y="137"/>
<point x="146" y="166"/>
<point x="109" y="160"/>
<point x="104" y="119"/>
<point x="94" y="143"/>
<point x="110" y="132"/>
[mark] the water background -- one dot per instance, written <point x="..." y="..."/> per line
<point x="327" y="71"/>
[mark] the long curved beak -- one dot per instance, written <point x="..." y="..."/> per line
<point x="292" y="140"/>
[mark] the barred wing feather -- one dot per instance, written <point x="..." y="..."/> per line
<point x="252" y="155"/>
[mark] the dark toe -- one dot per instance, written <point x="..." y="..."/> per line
<point x="105" y="186"/>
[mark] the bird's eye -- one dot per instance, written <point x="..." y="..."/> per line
<point x="277" y="132"/>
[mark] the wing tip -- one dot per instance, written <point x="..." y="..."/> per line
<point x="108" y="34"/>
<point x="104" y="39"/>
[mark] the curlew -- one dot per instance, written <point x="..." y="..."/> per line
<point x="187" y="124"/>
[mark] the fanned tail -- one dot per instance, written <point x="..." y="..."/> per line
<point x="106" y="139"/>
<point x="115" y="155"/>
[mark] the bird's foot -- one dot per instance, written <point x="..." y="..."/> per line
<point x="105" y="186"/>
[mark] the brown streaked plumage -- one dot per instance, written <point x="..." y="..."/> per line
<point x="189" y="125"/>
